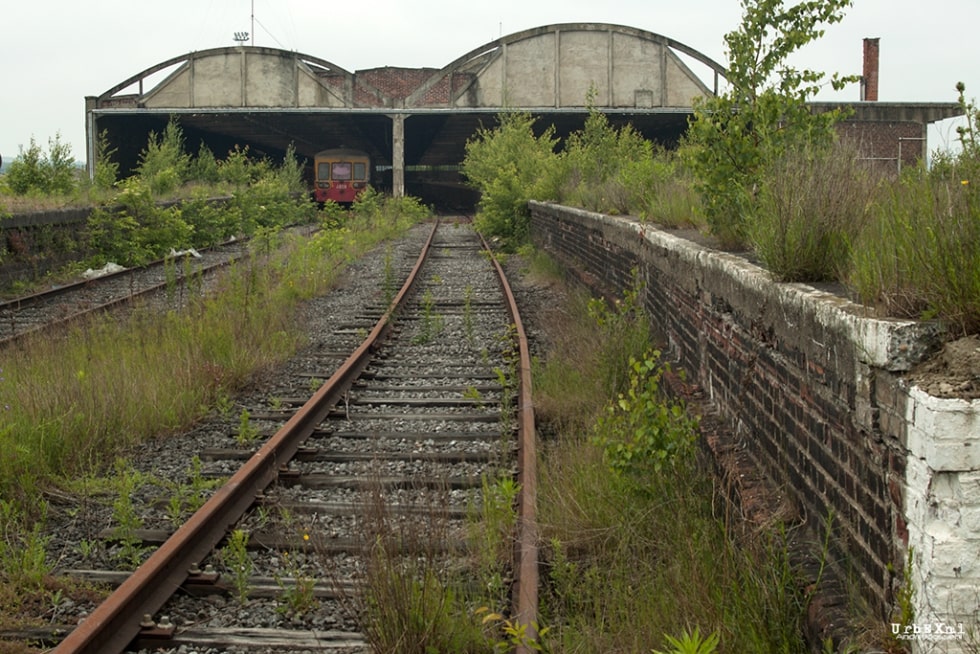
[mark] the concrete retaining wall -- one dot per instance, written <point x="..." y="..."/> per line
<point x="812" y="386"/>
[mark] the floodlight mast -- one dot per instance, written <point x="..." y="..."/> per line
<point x="242" y="37"/>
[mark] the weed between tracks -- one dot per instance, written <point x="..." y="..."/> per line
<point x="434" y="583"/>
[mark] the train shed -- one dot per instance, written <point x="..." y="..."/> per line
<point x="415" y="121"/>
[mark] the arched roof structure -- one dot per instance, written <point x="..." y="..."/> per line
<point x="554" y="66"/>
<point x="268" y="98"/>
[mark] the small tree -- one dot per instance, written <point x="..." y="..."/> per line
<point x="599" y="162"/>
<point x="164" y="165"/>
<point x="764" y="114"/>
<point x="106" y="170"/>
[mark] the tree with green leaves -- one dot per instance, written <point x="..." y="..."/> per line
<point x="106" y="170"/>
<point x="734" y="136"/>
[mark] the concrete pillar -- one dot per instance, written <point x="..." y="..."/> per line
<point x="91" y="136"/>
<point x="398" y="155"/>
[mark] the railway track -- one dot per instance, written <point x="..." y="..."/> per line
<point x="392" y="455"/>
<point x="176" y="276"/>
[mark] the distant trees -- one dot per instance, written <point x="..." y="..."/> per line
<point x="35" y="172"/>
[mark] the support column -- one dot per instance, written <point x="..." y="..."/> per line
<point x="398" y="155"/>
<point x="91" y="137"/>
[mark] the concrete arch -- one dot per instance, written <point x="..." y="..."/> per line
<point x="557" y="66"/>
<point x="237" y="77"/>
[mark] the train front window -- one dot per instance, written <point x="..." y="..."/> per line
<point x="340" y="170"/>
<point x="360" y="170"/>
<point x="323" y="170"/>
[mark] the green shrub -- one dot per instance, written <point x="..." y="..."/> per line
<point x="212" y="222"/>
<point x="509" y="165"/>
<point x="140" y="231"/>
<point x="204" y="167"/>
<point x="106" y="170"/>
<point x="164" y="165"/>
<point x="599" y="164"/>
<point x="641" y="432"/>
<point x="240" y="170"/>
<point x="637" y="556"/>
<point x="290" y="172"/>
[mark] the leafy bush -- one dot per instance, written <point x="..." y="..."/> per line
<point x="204" y="167"/>
<point x="290" y="172"/>
<point x="106" y="170"/>
<point x="163" y="164"/>
<point x="509" y="165"/>
<point x="598" y="163"/>
<point x="641" y="433"/>
<point x="141" y="231"/>
<point x="213" y="223"/>
<point x="240" y="170"/>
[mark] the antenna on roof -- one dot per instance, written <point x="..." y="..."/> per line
<point x="241" y="37"/>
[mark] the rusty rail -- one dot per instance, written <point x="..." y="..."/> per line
<point x="525" y="592"/>
<point x="116" y="622"/>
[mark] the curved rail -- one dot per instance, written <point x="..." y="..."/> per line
<point x="116" y="622"/>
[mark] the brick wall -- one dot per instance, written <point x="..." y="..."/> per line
<point x="887" y="142"/>
<point x="812" y="389"/>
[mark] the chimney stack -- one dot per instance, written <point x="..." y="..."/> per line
<point x="869" y="80"/>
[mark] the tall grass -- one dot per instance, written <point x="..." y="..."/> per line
<point x="637" y="548"/>
<point x="416" y="599"/>
<point x="69" y="402"/>
<point x="808" y="210"/>
<point x="920" y="256"/>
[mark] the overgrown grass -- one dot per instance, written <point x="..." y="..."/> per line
<point x="416" y="599"/>
<point x="637" y="548"/>
<point x="920" y="256"/>
<point x="908" y="247"/>
<point x="808" y="211"/>
<point x="71" y="401"/>
<point x="435" y="583"/>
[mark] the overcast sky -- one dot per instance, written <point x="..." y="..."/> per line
<point x="53" y="53"/>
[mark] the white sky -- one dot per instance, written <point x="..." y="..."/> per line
<point x="53" y="53"/>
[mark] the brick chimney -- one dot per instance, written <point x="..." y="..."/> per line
<point x="869" y="80"/>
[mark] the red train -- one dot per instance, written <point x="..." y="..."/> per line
<point x="341" y="174"/>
